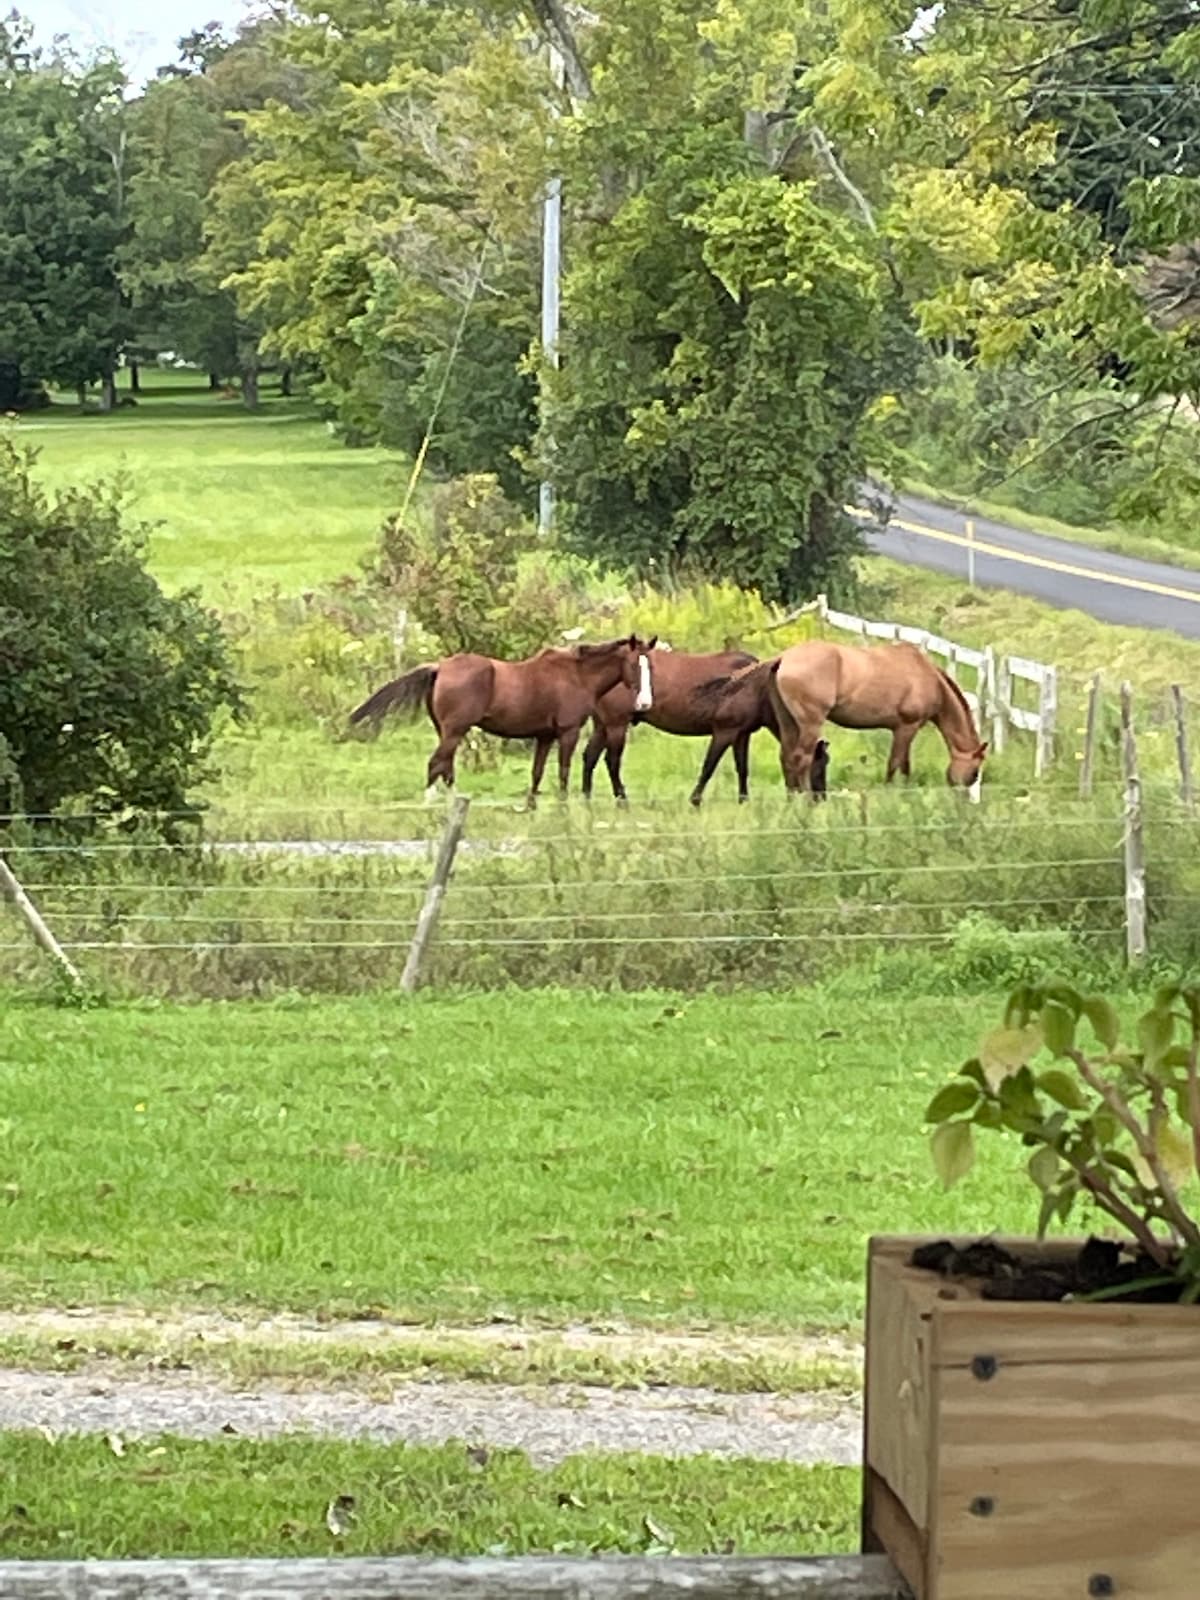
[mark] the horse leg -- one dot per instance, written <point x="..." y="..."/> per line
<point x="898" y="760"/>
<point x="717" y="747"/>
<point x="596" y="745"/>
<point x="540" y="753"/>
<point x="741" y="760"/>
<point x="613" y="751"/>
<point x="441" y="762"/>
<point x="567" y="740"/>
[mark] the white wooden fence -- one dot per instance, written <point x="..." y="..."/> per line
<point x="989" y="692"/>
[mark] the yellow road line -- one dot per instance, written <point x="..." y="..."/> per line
<point x="983" y="547"/>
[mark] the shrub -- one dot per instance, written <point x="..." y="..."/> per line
<point x="108" y="687"/>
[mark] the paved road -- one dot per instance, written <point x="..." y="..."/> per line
<point x="1142" y="594"/>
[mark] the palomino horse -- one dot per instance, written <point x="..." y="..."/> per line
<point x="546" y="698"/>
<point x="727" y="721"/>
<point x="894" y="687"/>
<point x="677" y="675"/>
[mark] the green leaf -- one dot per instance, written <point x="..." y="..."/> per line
<point x="1106" y="1025"/>
<point x="1063" y="1088"/>
<point x="1155" y="1032"/>
<point x="1043" y="1168"/>
<point x="973" y="1069"/>
<point x="951" y="1101"/>
<point x="1006" y="1050"/>
<point x="1018" y="1098"/>
<point x="1175" y="1153"/>
<point x="1046" y="1213"/>
<point x="1019" y="1008"/>
<point x="1058" y="1027"/>
<point x="953" y="1149"/>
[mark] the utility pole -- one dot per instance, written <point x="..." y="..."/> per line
<point x="551" y="280"/>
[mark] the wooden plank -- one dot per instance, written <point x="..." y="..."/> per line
<point x="474" y="1578"/>
<point x="1024" y="1333"/>
<point x="1031" y="671"/>
<point x="1047" y="722"/>
<point x="1179" y="710"/>
<point x="1027" y="721"/>
<point x="897" y="1441"/>
<point x="1070" y="1478"/>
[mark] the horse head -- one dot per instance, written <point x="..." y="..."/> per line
<point x="636" y="674"/>
<point x="966" y="766"/>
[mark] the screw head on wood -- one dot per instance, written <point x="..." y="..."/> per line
<point x="984" y="1367"/>
<point x="982" y="1506"/>
<point x="1100" y="1583"/>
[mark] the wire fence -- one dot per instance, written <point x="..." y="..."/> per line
<point x="677" y="899"/>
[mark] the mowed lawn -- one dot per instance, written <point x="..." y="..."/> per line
<point x="243" y="504"/>
<point x="562" y="1155"/>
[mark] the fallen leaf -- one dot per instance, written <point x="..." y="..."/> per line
<point x="116" y="1444"/>
<point x="659" y="1534"/>
<point x="339" y="1515"/>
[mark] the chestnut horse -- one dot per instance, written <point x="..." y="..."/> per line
<point x="725" y="722"/>
<point x="546" y="698"/>
<point x="894" y="686"/>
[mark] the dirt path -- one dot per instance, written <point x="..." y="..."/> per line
<point x="548" y="1421"/>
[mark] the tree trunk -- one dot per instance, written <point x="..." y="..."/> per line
<point x="108" y="392"/>
<point x="214" y="380"/>
<point x="135" y="378"/>
<point x="285" y="381"/>
<point x="82" y="392"/>
<point x="250" y="388"/>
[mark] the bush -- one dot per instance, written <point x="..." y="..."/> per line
<point x="108" y="687"/>
<point x="474" y="577"/>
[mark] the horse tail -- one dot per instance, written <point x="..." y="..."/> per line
<point x="402" y="694"/>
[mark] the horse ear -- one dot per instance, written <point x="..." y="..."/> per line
<point x="650" y="643"/>
<point x="632" y="641"/>
<point x="982" y="751"/>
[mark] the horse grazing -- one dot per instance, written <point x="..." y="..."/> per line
<point x="546" y="698"/>
<point x="894" y="686"/>
<point x="677" y="675"/>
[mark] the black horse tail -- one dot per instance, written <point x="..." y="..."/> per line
<point x="402" y="694"/>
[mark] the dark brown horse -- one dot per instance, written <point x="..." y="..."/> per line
<point x="546" y="698"/>
<point x="724" y="723"/>
<point x="894" y="686"/>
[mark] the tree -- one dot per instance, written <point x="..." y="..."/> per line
<point x="108" y="687"/>
<point x="63" y="170"/>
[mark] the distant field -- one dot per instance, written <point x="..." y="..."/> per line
<point x="244" y="503"/>
<point x="571" y="1157"/>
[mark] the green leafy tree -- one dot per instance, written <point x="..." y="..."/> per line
<point x="108" y="687"/>
<point x="63" y="173"/>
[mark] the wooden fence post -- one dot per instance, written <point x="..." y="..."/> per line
<point x="1135" y="844"/>
<point x="1047" y="718"/>
<point x="1091" y="733"/>
<point x="1003" y="704"/>
<point x="431" y="908"/>
<point x="12" y="891"/>
<point x="1186" y="792"/>
<point x="400" y="636"/>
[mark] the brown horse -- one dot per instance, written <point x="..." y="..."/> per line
<point x="894" y="687"/>
<point x="677" y="675"/>
<point x="546" y="698"/>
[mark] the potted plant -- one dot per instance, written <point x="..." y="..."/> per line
<point x="1033" y="1409"/>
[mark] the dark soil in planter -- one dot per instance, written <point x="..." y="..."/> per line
<point x="1100" y="1267"/>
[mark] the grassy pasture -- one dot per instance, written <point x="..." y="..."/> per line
<point x="240" y="503"/>
<point x="74" y="1499"/>
<point x="648" y="1157"/>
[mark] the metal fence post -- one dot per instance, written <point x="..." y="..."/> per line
<point x="431" y="908"/>
<point x="1091" y="733"/>
<point x="1135" y="843"/>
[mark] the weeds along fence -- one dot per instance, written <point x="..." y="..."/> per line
<point x="329" y="900"/>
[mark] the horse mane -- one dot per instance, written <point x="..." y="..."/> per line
<point x="582" y="652"/>
<point x="708" y="695"/>
<point x="957" y="693"/>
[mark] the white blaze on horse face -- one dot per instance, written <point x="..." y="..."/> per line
<point x="645" y="695"/>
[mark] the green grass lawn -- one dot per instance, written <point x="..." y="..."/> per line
<point x="74" y="1499"/>
<point x="241" y="503"/>
<point x="538" y="1154"/>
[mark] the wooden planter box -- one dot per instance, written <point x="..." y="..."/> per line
<point x="1022" y="1451"/>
